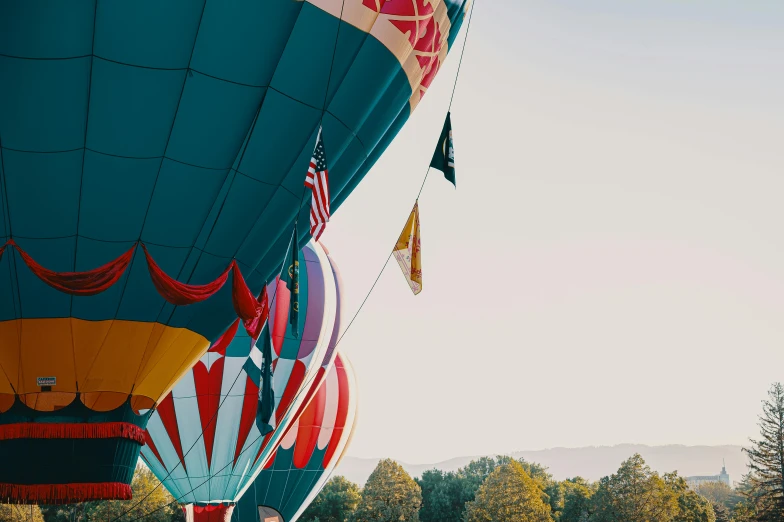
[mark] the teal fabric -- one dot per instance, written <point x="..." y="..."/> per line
<point x="184" y="124"/>
<point x="68" y="461"/>
<point x="281" y="487"/>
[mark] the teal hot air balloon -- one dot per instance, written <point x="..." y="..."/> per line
<point x="203" y="441"/>
<point x="184" y="127"/>
<point x="309" y="452"/>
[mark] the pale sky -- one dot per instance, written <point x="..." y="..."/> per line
<point x="611" y="266"/>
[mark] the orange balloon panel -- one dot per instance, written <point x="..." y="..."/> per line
<point x="104" y="360"/>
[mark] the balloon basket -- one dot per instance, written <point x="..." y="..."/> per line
<point x="69" y="455"/>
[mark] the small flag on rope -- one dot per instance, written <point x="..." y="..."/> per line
<point x="290" y="276"/>
<point x="408" y="251"/>
<point x="318" y="182"/>
<point x="444" y="156"/>
<point x="259" y="369"/>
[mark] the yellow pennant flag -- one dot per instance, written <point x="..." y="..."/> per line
<point x="408" y="251"/>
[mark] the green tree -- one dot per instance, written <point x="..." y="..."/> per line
<point x="481" y="468"/>
<point x="634" y="494"/>
<point x="62" y="513"/>
<point x="551" y="489"/>
<point x="692" y="507"/>
<point x="20" y="513"/>
<point x="577" y="493"/>
<point x="444" y="495"/>
<point x="336" y="502"/>
<point x="476" y="472"/>
<point x="390" y="495"/>
<point x="552" y="493"/>
<point x="766" y="459"/>
<point x="721" y="512"/>
<point x="744" y="512"/>
<point x="82" y="512"/>
<point x="719" y="493"/>
<point x="508" y="494"/>
<point x="155" y="504"/>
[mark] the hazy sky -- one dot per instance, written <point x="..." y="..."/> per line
<point x="611" y="266"/>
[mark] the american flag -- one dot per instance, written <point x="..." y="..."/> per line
<point x="318" y="181"/>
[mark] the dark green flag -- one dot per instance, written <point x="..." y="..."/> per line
<point x="291" y="277"/>
<point x="265" y="419"/>
<point x="444" y="156"/>
<point x="258" y="366"/>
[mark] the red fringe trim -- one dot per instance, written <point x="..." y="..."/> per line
<point x="63" y="493"/>
<point x="39" y="430"/>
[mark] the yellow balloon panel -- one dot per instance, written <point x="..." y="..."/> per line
<point x="101" y="359"/>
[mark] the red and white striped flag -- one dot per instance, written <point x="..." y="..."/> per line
<point x="318" y="182"/>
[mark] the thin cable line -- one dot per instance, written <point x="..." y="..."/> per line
<point x="462" y="52"/>
<point x="81" y="188"/>
<point x="174" y="121"/>
<point x="454" y="87"/>
<point x="332" y="61"/>
<point x="321" y="120"/>
<point x="13" y="275"/>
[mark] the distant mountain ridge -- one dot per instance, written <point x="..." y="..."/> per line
<point x="591" y="462"/>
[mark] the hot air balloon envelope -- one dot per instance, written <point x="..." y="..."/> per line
<point x="308" y="453"/>
<point x="185" y="127"/>
<point x="203" y="442"/>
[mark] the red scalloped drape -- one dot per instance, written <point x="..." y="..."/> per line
<point x="253" y="311"/>
<point x="182" y="294"/>
<point x="245" y="304"/>
<point x="254" y="325"/>
<point x="90" y="282"/>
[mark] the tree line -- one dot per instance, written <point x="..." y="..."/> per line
<point x="503" y="489"/>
